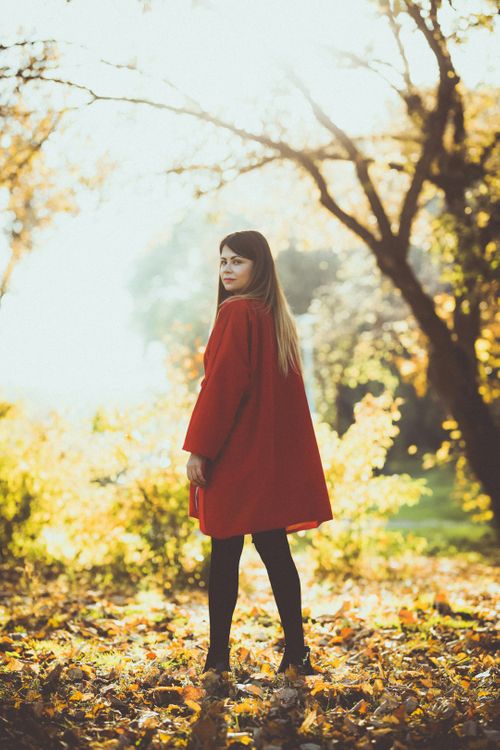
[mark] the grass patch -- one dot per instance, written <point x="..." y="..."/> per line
<point x="438" y="517"/>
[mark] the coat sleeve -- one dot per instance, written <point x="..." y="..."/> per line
<point x="227" y="380"/>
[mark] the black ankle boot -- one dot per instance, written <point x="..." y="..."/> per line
<point x="302" y="662"/>
<point x="217" y="660"/>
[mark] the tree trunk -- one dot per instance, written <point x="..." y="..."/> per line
<point x="450" y="373"/>
<point x="454" y="378"/>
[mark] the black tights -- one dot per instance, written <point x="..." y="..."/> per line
<point x="223" y="581"/>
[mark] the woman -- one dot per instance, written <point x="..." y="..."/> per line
<point x="255" y="466"/>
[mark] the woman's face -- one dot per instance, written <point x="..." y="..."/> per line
<point x="235" y="270"/>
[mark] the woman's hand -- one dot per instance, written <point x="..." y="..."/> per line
<point x="195" y="469"/>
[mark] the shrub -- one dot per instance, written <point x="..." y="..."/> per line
<point x="362" y="499"/>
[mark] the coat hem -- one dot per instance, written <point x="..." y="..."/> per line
<point x="290" y="528"/>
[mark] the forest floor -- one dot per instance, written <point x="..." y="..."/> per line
<point x="408" y="663"/>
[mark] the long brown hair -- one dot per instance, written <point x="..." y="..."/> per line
<point x="265" y="286"/>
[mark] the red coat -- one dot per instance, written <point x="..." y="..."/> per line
<point x="253" y="425"/>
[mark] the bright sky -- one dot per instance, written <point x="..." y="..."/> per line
<point x="66" y="338"/>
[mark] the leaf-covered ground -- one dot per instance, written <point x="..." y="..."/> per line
<point x="405" y="664"/>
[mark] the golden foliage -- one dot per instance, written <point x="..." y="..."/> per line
<point x="362" y="498"/>
<point x="112" y="494"/>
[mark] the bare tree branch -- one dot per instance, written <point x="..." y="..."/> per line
<point x="359" y="62"/>
<point x="329" y="202"/>
<point x="220" y="169"/>
<point x="27" y="43"/>
<point x="281" y="147"/>
<point x="434" y="36"/>
<point x="359" y="161"/>
<point x="396" y="30"/>
<point x="435" y="125"/>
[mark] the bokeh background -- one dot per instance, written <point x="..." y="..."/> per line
<point x="361" y="139"/>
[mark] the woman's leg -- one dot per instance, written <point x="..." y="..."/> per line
<point x="223" y="582"/>
<point x="275" y="552"/>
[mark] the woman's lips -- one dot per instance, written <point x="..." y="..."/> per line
<point x="227" y="279"/>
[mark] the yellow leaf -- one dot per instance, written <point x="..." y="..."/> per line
<point x="309" y="720"/>
<point x="79" y="696"/>
<point x="14" y="665"/>
<point x="321" y="686"/>
<point x="391" y="719"/>
<point x="367" y="688"/>
<point x="242" y="738"/>
<point x="244" y="653"/>
<point x="267" y="669"/>
<point x="245" y="707"/>
<point x="255" y="690"/>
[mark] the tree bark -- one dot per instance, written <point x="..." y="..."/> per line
<point x="454" y="378"/>
<point x="451" y="374"/>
